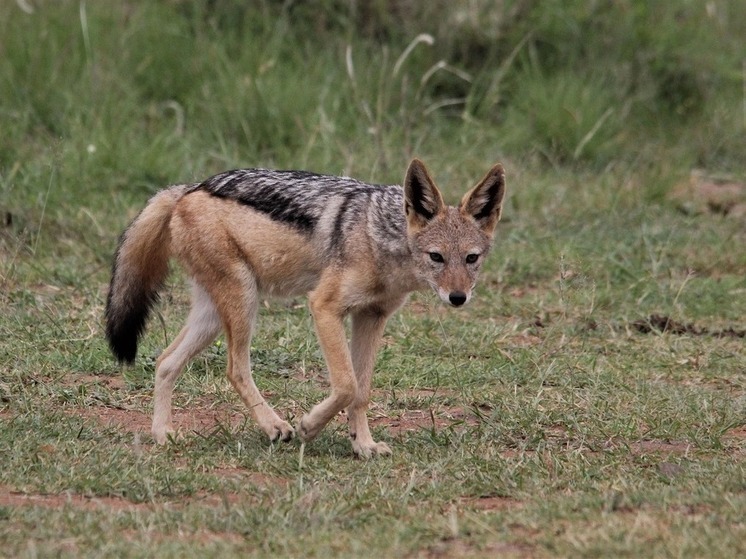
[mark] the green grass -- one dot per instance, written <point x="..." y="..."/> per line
<point x="537" y="422"/>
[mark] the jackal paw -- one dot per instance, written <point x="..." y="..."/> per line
<point x="306" y="430"/>
<point x="281" y="431"/>
<point x="371" y="449"/>
<point x="162" y="435"/>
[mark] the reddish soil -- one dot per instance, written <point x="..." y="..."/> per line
<point x="8" y="497"/>
<point x="115" y="382"/>
<point x="488" y="503"/>
<point x="660" y="323"/>
<point x="11" y="498"/>
<point x="196" y="418"/>
<point x="714" y="195"/>
<point x="452" y="548"/>
<point x="406" y="421"/>
<point x="737" y="433"/>
<point x="523" y="340"/>
<point x="203" y="416"/>
<point x="736" y="438"/>
<point x="663" y="447"/>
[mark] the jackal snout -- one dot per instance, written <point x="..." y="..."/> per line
<point x="454" y="282"/>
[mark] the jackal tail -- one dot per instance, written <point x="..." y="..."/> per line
<point x="139" y="272"/>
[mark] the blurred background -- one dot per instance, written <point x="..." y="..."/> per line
<point x="151" y="92"/>
<point x="589" y="104"/>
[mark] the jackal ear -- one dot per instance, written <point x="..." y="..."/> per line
<point x="483" y="203"/>
<point x="422" y="199"/>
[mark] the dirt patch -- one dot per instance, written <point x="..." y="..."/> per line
<point x="205" y="418"/>
<point x="524" y="339"/>
<point x="201" y="536"/>
<point x="662" y="447"/>
<point x="737" y="433"/>
<point x="256" y="479"/>
<point x="704" y="193"/>
<point x="407" y="421"/>
<point x="421" y="393"/>
<point x="489" y="503"/>
<point x="524" y="291"/>
<point x="696" y="510"/>
<point x="598" y="447"/>
<point x="736" y="438"/>
<point x="662" y="323"/>
<point x="200" y="419"/>
<point x="638" y="448"/>
<point x="457" y="547"/>
<point x="10" y="498"/>
<point x="115" y="382"/>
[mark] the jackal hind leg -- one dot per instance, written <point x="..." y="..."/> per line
<point x="236" y="298"/>
<point x="201" y="328"/>
<point x="367" y="332"/>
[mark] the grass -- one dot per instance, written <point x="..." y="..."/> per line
<point x="540" y="421"/>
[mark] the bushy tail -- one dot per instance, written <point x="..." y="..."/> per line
<point x="139" y="271"/>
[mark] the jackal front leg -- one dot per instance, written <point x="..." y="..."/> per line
<point x="367" y="331"/>
<point x="328" y="318"/>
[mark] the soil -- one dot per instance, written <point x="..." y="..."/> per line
<point x="704" y="194"/>
<point x="195" y="419"/>
<point x="9" y="497"/>
<point x="488" y="503"/>
<point x="662" y="323"/>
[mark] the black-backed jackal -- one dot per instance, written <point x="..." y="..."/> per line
<point x="356" y="249"/>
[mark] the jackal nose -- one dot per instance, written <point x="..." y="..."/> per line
<point x="457" y="298"/>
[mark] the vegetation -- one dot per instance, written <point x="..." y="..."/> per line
<point x="591" y="400"/>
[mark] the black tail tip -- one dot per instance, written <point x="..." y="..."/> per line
<point x="126" y="357"/>
<point x="123" y="330"/>
<point x="123" y="348"/>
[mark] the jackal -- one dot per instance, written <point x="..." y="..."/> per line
<point x="356" y="249"/>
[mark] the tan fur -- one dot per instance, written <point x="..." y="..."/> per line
<point x="233" y="254"/>
<point x="147" y="248"/>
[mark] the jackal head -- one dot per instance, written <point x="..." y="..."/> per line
<point x="450" y="243"/>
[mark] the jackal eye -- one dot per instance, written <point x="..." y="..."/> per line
<point x="471" y="258"/>
<point x="436" y="257"/>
